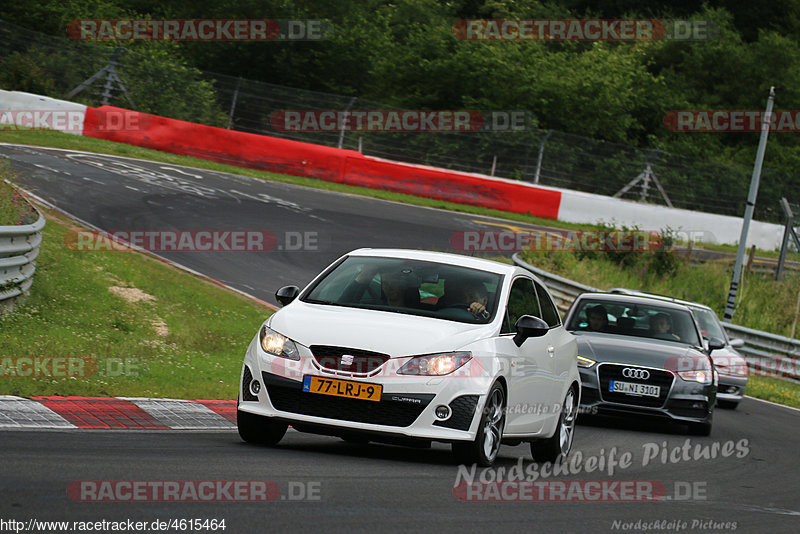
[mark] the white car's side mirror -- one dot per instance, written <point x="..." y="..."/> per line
<point x="529" y="326"/>
<point x="287" y="294"/>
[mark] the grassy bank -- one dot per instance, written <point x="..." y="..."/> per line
<point x="774" y="390"/>
<point x="126" y="325"/>
<point x="14" y="209"/>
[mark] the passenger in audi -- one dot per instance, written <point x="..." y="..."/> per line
<point x="598" y="318"/>
<point x="661" y="327"/>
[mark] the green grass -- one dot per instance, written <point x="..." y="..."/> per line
<point x="61" y="140"/>
<point x="72" y="313"/>
<point x="14" y="209"/>
<point x="774" y="390"/>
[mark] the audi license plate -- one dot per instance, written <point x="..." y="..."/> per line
<point x="632" y="388"/>
<point x="342" y="388"/>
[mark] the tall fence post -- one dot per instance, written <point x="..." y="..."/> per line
<point x="788" y="232"/>
<point x="539" y="159"/>
<point x="730" y="305"/>
<point x="345" y="121"/>
<point x="233" y="103"/>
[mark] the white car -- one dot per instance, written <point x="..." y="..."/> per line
<point x="412" y="347"/>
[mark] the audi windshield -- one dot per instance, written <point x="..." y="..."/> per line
<point x="635" y="319"/>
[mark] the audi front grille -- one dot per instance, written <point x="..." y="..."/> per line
<point x="657" y="377"/>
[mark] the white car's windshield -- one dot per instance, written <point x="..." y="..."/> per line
<point x="410" y="286"/>
<point x="635" y="319"/>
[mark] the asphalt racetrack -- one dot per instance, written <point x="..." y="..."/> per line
<point x="743" y="478"/>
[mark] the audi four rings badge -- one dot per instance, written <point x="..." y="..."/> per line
<point x="642" y="374"/>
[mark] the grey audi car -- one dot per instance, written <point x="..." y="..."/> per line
<point x="728" y="362"/>
<point x="644" y="356"/>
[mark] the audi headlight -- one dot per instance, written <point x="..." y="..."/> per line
<point x="585" y="362"/>
<point x="702" y="376"/>
<point x="435" y="364"/>
<point x="278" y="344"/>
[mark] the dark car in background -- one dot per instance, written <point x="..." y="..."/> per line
<point x="731" y="366"/>
<point x="644" y="356"/>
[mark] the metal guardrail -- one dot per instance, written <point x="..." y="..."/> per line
<point x="19" y="247"/>
<point x="767" y="354"/>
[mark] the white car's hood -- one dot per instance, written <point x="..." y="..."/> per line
<point x="394" y="334"/>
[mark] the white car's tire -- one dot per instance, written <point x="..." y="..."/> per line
<point x="257" y="429"/>
<point x="560" y="443"/>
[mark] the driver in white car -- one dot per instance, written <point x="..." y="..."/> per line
<point x="472" y="295"/>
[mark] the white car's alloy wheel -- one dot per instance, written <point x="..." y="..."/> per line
<point x="483" y="451"/>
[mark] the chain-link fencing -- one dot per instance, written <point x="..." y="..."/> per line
<point x="148" y="80"/>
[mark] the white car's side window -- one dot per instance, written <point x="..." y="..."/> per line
<point x="521" y="301"/>
<point x="549" y="311"/>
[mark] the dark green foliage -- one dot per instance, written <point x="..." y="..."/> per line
<point x="405" y="54"/>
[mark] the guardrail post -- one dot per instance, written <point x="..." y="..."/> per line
<point x="19" y="247"/>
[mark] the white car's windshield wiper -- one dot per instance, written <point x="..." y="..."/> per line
<point x="322" y="301"/>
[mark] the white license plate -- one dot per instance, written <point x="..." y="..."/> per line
<point x="632" y="388"/>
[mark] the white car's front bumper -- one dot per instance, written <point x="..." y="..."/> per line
<point x="407" y="406"/>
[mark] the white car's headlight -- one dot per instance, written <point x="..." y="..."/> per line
<point x="435" y="364"/>
<point x="277" y="344"/>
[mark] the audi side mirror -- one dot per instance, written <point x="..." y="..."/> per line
<point x="715" y="343"/>
<point x="287" y="294"/>
<point x="529" y="326"/>
<point x="738" y="342"/>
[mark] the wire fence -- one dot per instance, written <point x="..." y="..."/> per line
<point x="56" y="67"/>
